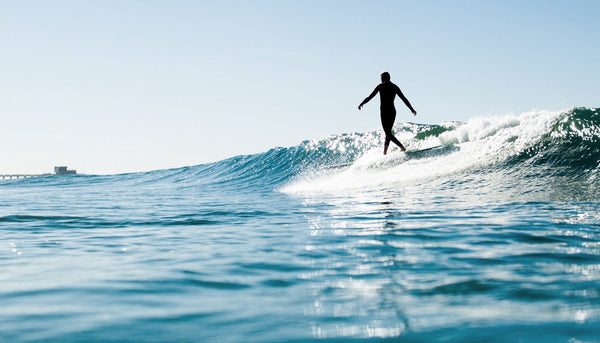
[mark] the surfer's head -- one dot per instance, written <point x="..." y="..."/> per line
<point x="385" y="76"/>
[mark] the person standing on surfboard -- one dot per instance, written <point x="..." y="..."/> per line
<point x="387" y="92"/>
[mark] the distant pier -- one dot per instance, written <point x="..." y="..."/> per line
<point x="57" y="171"/>
<point x="21" y="176"/>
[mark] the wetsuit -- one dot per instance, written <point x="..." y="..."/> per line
<point x="387" y="92"/>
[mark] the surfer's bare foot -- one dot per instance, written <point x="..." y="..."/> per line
<point x="402" y="148"/>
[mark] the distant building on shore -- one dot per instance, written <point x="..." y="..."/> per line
<point x="62" y="170"/>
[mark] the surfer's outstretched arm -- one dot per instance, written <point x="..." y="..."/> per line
<point x="367" y="99"/>
<point x="399" y="92"/>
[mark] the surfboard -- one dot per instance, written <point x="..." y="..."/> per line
<point x="431" y="152"/>
<point x="412" y="154"/>
<point x="338" y="166"/>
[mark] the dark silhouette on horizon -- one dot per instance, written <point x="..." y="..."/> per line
<point x="387" y="92"/>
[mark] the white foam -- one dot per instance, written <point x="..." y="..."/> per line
<point x="481" y="141"/>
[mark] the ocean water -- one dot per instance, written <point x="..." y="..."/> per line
<point x="487" y="231"/>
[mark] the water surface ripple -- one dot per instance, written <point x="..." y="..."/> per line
<point x="279" y="247"/>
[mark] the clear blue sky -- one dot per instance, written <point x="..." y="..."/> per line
<point x="115" y="86"/>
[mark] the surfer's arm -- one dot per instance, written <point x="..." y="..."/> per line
<point x="367" y="99"/>
<point x="406" y="102"/>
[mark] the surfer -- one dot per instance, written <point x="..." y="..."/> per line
<point x="387" y="92"/>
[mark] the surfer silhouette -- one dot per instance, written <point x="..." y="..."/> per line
<point x="387" y="92"/>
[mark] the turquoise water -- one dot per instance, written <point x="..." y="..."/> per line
<point x="491" y="236"/>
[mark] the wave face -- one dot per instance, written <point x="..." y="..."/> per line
<point x="573" y="142"/>
<point x="540" y="144"/>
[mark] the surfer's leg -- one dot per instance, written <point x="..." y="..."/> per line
<point x="390" y="137"/>
<point x="386" y="144"/>
<point x="388" y="116"/>
<point x="397" y="142"/>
